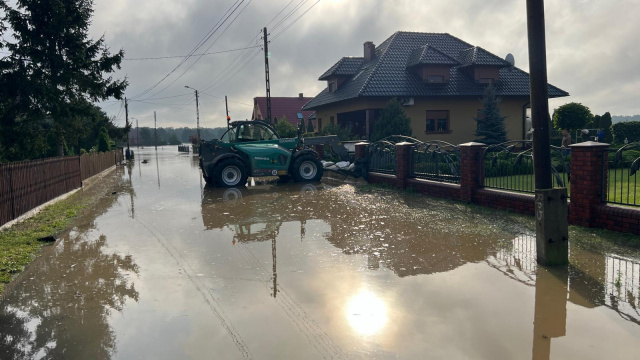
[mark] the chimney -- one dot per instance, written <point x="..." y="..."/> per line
<point x="369" y="51"/>
<point x="300" y="96"/>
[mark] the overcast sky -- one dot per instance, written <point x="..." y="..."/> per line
<point x="592" y="48"/>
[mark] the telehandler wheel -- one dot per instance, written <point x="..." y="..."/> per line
<point x="307" y="168"/>
<point x="230" y="172"/>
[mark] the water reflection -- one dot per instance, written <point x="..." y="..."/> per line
<point x="590" y="281"/>
<point x="366" y="313"/>
<point x="63" y="310"/>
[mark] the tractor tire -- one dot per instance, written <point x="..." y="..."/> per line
<point x="307" y="168"/>
<point x="230" y="172"/>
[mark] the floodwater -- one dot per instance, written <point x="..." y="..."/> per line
<point x="167" y="268"/>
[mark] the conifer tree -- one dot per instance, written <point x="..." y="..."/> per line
<point x="393" y="121"/>
<point x="491" y="128"/>
<point x="310" y="126"/>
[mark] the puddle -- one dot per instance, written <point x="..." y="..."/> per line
<point x="169" y="268"/>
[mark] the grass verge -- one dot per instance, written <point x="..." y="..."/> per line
<point x="19" y="244"/>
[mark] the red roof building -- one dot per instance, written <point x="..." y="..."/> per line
<point x="288" y="107"/>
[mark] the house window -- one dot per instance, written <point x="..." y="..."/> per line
<point x="435" y="79"/>
<point x="486" y="80"/>
<point x="331" y="120"/>
<point x="437" y="121"/>
<point x="319" y="122"/>
<point x="332" y="86"/>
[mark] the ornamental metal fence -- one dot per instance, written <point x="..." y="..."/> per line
<point x="436" y="160"/>
<point x="509" y="166"/>
<point x="622" y="175"/>
<point x="382" y="156"/>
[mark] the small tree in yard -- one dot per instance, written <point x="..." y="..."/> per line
<point x="104" y="142"/>
<point x="605" y="125"/>
<point x="393" y="121"/>
<point x="491" y="129"/>
<point x="572" y="116"/>
<point x="285" y="129"/>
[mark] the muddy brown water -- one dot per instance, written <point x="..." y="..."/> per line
<point x="168" y="268"/>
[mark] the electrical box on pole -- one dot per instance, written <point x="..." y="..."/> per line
<point x="266" y="74"/>
<point x="552" y="234"/>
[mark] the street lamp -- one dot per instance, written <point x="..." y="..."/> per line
<point x="197" y="113"/>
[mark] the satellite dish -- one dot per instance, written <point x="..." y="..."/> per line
<point x="511" y="60"/>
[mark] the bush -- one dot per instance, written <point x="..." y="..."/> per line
<point x="285" y="129"/>
<point x="344" y="134"/>
<point x="104" y="142"/>
<point x="629" y="130"/>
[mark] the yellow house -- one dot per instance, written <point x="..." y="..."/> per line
<point x="438" y="78"/>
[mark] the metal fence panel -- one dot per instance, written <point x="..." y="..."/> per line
<point x="509" y="166"/>
<point x="382" y="157"/>
<point x="437" y="161"/>
<point x="622" y="177"/>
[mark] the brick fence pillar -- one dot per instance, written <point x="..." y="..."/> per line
<point x="589" y="166"/>
<point x="361" y="150"/>
<point x="319" y="148"/>
<point x="403" y="162"/>
<point x="471" y="169"/>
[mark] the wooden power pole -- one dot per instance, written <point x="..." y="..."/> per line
<point x="552" y="234"/>
<point x="266" y="74"/>
<point x="155" y="127"/>
<point x="126" y="116"/>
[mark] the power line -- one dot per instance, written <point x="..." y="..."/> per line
<point x="198" y="59"/>
<point x="185" y="56"/>
<point x="294" y="21"/>
<point x="219" y="97"/>
<point x="215" y="28"/>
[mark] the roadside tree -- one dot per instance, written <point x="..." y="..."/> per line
<point x="57" y="63"/>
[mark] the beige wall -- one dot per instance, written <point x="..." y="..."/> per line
<point x="462" y="111"/>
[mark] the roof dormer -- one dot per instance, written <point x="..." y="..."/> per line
<point x="341" y="71"/>
<point x="481" y="65"/>
<point x="430" y="64"/>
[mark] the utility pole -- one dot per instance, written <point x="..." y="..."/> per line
<point x="137" y="134"/>
<point x="552" y="234"/>
<point x="226" y="106"/>
<point x="126" y="116"/>
<point x="155" y="126"/>
<point x="197" y="117"/>
<point x="266" y="74"/>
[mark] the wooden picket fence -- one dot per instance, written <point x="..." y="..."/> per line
<point x="25" y="185"/>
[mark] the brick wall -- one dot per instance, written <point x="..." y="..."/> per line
<point x="586" y="208"/>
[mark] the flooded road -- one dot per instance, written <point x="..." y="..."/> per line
<point x="167" y="268"/>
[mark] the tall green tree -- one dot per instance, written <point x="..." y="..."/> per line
<point x="605" y="125"/>
<point x="58" y="62"/>
<point x="303" y="128"/>
<point x="393" y="121"/>
<point x="104" y="142"/>
<point x="491" y="129"/>
<point x="571" y="116"/>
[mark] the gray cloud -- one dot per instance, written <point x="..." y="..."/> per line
<point x="591" y="50"/>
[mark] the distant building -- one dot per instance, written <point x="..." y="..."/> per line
<point x="289" y="107"/>
<point x="439" y="79"/>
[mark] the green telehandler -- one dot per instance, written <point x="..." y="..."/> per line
<point x="254" y="148"/>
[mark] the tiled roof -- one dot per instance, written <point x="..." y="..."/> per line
<point x="479" y="56"/>
<point x="284" y="106"/>
<point x="345" y="66"/>
<point x="429" y="55"/>
<point x="387" y="74"/>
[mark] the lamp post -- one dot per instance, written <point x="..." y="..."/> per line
<point x="197" y="112"/>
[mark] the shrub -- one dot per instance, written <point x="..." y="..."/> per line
<point x="629" y="130"/>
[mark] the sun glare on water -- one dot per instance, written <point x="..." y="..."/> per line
<point x="366" y="313"/>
